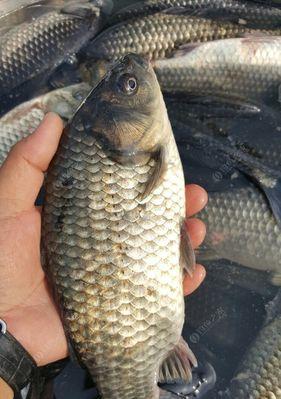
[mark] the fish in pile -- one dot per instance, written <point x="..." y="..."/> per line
<point x="241" y="227"/>
<point x="113" y="235"/>
<point x="30" y="51"/>
<point x="246" y="127"/>
<point x="259" y="375"/>
<point x="159" y="35"/>
<point x="242" y="208"/>
<point x="26" y="117"/>
<point x="248" y="68"/>
<point x="240" y="11"/>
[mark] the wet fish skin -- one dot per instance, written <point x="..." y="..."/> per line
<point x="254" y="130"/>
<point x="248" y="68"/>
<point x="250" y="13"/>
<point x="242" y="228"/>
<point x="114" y="258"/>
<point x="36" y="48"/>
<point x="259" y="375"/>
<point x="157" y="36"/>
<point x="25" y="118"/>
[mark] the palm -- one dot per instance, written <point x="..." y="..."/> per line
<point x="26" y="304"/>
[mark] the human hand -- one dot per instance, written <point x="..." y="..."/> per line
<point x="25" y="301"/>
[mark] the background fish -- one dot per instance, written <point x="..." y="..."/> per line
<point x="248" y="68"/>
<point x="246" y="12"/>
<point x="114" y="210"/>
<point x="30" y="51"/>
<point x="259" y="374"/>
<point x="241" y="227"/>
<point x="158" y="35"/>
<point x="25" y="118"/>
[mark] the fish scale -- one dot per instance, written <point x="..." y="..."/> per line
<point x="259" y="373"/>
<point x="264" y="16"/>
<point x="247" y="68"/>
<point x="32" y="48"/>
<point x="158" y="36"/>
<point x="240" y="225"/>
<point x="25" y="118"/>
<point x="126" y="244"/>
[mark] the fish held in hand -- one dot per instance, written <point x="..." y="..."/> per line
<point x="113" y="236"/>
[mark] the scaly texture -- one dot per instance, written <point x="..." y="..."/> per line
<point x="113" y="257"/>
<point x="259" y="375"/>
<point x="115" y="263"/>
<point x="249" y="68"/>
<point x="157" y="36"/>
<point x="256" y="15"/>
<point x="33" y="48"/>
<point x="241" y="228"/>
<point x="25" y="118"/>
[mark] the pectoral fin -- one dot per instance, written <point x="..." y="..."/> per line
<point x="177" y="366"/>
<point x="187" y="256"/>
<point x="159" y="170"/>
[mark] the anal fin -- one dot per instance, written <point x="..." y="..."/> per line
<point x="177" y="366"/>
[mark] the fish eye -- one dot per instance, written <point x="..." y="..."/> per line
<point x="128" y="84"/>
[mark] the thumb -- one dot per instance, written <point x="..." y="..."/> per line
<point x="22" y="174"/>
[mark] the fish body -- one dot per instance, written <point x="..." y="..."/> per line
<point x="159" y="35"/>
<point x="254" y="130"/>
<point x="112" y="218"/>
<point x="245" y="12"/>
<point x="35" y="48"/>
<point x="25" y="118"/>
<point x="259" y="375"/>
<point x="241" y="228"/>
<point x="248" y="68"/>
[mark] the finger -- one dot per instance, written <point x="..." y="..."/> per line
<point x="21" y="175"/>
<point x="196" y="230"/>
<point x="190" y="284"/>
<point x="196" y="199"/>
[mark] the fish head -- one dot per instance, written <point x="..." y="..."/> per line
<point x="126" y="111"/>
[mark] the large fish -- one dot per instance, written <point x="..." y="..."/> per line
<point x="25" y="118"/>
<point x="248" y="68"/>
<point x="113" y="234"/>
<point x="157" y="36"/>
<point x="240" y="11"/>
<point x="30" y="51"/>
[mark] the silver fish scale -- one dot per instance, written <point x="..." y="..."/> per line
<point x="157" y="36"/>
<point x="25" y="118"/>
<point x="34" y="47"/>
<point x="11" y="133"/>
<point x="241" y="228"/>
<point x="260" y="374"/>
<point x="248" y="68"/>
<point x="115" y="263"/>
<point x="263" y="15"/>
